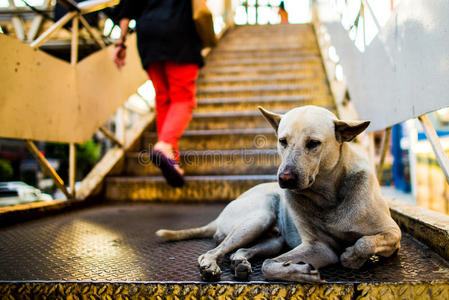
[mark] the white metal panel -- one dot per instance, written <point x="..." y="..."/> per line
<point x="404" y="72"/>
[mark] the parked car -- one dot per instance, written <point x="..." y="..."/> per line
<point x="18" y="192"/>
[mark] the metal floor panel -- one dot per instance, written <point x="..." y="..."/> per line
<point x="117" y="243"/>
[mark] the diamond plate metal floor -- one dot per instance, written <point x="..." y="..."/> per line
<point x="117" y="243"/>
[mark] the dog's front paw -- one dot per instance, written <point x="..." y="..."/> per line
<point x="209" y="269"/>
<point x="288" y="271"/>
<point x="351" y="259"/>
<point x="303" y="272"/>
<point x="241" y="268"/>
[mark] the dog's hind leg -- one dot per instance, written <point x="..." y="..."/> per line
<point x="240" y="265"/>
<point x="242" y="234"/>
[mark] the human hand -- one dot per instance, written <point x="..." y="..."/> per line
<point x="119" y="56"/>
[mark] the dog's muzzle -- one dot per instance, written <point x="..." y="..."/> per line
<point x="288" y="179"/>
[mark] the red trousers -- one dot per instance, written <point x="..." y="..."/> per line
<point x="175" y="88"/>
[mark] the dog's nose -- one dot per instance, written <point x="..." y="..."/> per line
<point x="287" y="176"/>
<point x="288" y="179"/>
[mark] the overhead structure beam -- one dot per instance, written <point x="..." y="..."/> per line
<point x="17" y="22"/>
<point x="53" y="28"/>
<point x="92" y="32"/>
<point x="94" y="5"/>
<point x="37" y="22"/>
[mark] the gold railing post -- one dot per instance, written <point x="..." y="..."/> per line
<point x="372" y="150"/>
<point x="383" y="153"/>
<point x="73" y="61"/>
<point x="431" y="134"/>
<point x="72" y="168"/>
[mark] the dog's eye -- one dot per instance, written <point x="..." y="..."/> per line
<point x="283" y="142"/>
<point x="312" y="144"/>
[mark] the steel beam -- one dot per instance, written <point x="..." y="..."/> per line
<point x="48" y="168"/>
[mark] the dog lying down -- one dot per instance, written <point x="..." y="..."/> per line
<point x="326" y="206"/>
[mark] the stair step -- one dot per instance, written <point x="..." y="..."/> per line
<point x="312" y="72"/>
<point x="262" y="61"/>
<point x="257" y="80"/>
<point x="230" y="139"/>
<point x="261" y="90"/>
<point x="197" y="188"/>
<point x="210" y="162"/>
<point x="219" y="55"/>
<point x="269" y="102"/>
<point x="226" y="54"/>
<point x="257" y="65"/>
<point x="274" y="70"/>
<point x="228" y="120"/>
<point x="241" y="46"/>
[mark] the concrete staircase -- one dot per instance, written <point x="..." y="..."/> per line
<point x="228" y="147"/>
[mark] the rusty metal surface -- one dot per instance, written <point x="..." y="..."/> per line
<point x="158" y="291"/>
<point x="117" y="243"/>
<point x="430" y="227"/>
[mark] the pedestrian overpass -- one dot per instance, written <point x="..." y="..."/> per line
<point x="100" y="242"/>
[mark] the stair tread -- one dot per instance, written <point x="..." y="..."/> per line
<point x="262" y="47"/>
<point x="250" y="61"/>
<point x="135" y="154"/>
<point x="259" y="88"/>
<point x="255" y="99"/>
<point x="265" y="177"/>
<point x="232" y="114"/>
<point x="243" y="70"/>
<point x="224" y="54"/>
<point x="217" y="132"/>
<point x="253" y="78"/>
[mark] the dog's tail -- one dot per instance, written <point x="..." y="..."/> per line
<point x="185" y="234"/>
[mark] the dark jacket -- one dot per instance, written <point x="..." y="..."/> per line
<point x="165" y="30"/>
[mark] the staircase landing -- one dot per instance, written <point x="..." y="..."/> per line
<point x="114" y="248"/>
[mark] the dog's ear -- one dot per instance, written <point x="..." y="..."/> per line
<point x="272" y="118"/>
<point x="346" y="131"/>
